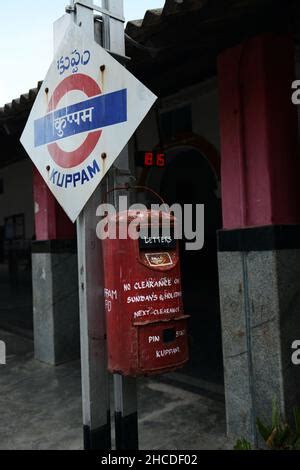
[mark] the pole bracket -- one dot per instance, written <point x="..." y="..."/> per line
<point x="70" y="9"/>
<point x="99" y="9"/>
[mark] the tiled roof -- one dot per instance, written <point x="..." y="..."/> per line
<point x="158" y="16"/>
<point x="133" y="30"/>
<point x="19" y="105"/>
<point x="180" y="33"/>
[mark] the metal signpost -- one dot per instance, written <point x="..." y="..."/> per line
<point x="86" y="111"/>
<point x="88" y="107"/>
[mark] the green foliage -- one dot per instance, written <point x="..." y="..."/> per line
<point x="276" y="414"/>
<point x="297" y="420"/>
<point x="279" y="435"/>
<point x="242" y="444"/>
<point x="264" y="431"/>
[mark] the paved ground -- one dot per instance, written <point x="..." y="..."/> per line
<point x="40" y="408"/>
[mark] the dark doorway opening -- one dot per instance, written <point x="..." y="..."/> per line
<point x="16" y="235"/>
<point x="190" y="179"/>
<point x="15" y="277"/>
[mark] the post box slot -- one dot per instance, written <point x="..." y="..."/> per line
<point x="169" y="335"/>
<point x="162" y="346"/>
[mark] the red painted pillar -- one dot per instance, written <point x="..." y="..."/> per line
<point x="51" y="222"/>
<point x="259" y="248"/>
<point x="260" y="163"/>
<point x="54" y="280"/>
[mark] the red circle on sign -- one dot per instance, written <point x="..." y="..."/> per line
<point x="88" y="86"/>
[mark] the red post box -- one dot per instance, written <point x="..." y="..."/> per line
<point x="146" y="325"/>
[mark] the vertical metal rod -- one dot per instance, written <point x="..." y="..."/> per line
<point x="126" y="416"/>
<point x="125" y="389"/>
<point x="95" y="378"/>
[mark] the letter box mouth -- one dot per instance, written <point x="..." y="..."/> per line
<point x="157" y="249"/>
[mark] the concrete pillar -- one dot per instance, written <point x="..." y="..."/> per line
<point x="259" y="247"/>
<point x="55" y="280"/>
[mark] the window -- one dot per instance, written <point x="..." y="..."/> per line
<point x="14" y="228"/>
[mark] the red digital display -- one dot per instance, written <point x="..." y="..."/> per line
<point x="151" y="159"/>
<point x="156" y="159"/>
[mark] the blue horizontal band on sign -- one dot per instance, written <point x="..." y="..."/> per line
<point x="94" y="113"/>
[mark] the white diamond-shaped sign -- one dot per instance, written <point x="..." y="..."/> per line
<point x="85" y="113"/>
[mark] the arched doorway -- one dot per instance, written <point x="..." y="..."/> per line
<point x="190" y="178"/>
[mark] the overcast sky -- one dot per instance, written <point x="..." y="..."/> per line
<point x="26" y="40"/>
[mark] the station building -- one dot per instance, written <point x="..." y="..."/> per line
<point x="225" y="122"/>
